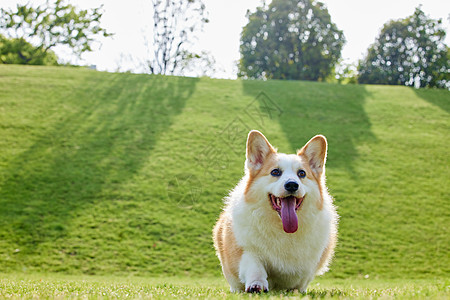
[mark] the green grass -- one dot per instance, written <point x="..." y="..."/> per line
<point x="45" y="286"/>
<point x="123" y="174"/>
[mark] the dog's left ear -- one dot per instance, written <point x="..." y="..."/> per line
<point x="258" y="149"/>
<point x="315" y="152"/>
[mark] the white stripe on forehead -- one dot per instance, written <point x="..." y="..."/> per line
<point x="288" y="162"/>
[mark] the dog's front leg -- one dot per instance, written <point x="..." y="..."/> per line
<point x="304" y="282"/>
<point x="253" y="274"/>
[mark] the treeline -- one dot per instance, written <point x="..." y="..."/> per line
<point x="296" y="39"/>
<point x="286" y="39"/>
<point x="29" y="34"/>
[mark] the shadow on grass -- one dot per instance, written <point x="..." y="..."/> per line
<point x="103" y="131"/>
<point x="307" y="109"/>
<point x="437" y="97"/>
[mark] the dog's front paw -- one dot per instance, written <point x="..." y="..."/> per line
<point x="257" y="287"/>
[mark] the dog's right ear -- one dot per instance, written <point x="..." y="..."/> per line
<point x="258" y="149"/>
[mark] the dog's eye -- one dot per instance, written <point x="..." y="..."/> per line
<point x="301" y="173"/>
<point x="276" y="172"/>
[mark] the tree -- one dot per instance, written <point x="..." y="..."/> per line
<point x="175" y="23"/>
<point x="344" y="73"/>
<point x="19" y="51"/>
<point x="199" y="65"/>
<point x="51" y="25"/>
<point x="408" y="51"/>
<point x="290" y="39"/>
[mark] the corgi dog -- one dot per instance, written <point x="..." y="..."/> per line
<point x="278" y="228"/>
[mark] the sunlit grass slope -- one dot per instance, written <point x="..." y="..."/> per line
<point x="123" y="174"/>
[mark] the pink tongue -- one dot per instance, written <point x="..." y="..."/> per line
<point x="288" y="215"/>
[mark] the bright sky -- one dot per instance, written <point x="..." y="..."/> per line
<point x="361" y="21"/>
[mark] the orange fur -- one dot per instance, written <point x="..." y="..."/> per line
<point x="226" y="247"/>
<point x="328" y="252"/>
<point x="313" y="176"/>
<point x="318" y="177"/>
<point x="259" y="150"/>
<point x="269" y="164"/>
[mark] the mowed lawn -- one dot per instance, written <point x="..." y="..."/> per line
<point x="122" y="175"/>
<point x="94" y="287"/>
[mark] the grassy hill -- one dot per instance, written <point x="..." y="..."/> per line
<point x="104" y="173"/>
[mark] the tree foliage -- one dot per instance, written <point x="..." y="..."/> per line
<point x="175" y="23"/>
<point x="409" y="51"/>
<point x="52" y="24"/>
<point x="19" y="51"/>
<point x="290" y="39"/>
<point x="200" y="64"/>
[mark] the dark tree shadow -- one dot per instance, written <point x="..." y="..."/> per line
<point x="437" y="97"/>
<point x="104" y="128"/>
<point x="307" y="109"/>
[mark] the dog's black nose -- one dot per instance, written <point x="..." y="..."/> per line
<point x="291" y="186"/>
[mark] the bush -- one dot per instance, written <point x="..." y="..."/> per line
<point x="19" y="51"/>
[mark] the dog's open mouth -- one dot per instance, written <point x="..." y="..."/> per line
<point x="276" y="201"/>
<point x="286" y="208"/>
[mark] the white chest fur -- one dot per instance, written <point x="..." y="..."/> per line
<point x="286" y="257"/>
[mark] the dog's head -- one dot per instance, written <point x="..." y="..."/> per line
<point x="284" y="182"/>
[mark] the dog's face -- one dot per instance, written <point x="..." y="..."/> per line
<point x="283" y="182"/>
